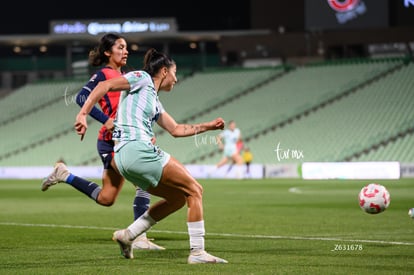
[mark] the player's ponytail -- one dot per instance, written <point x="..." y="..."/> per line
<point x="155" y="60"/>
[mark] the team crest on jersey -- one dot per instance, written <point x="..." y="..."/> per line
<point x="138" y="74"/>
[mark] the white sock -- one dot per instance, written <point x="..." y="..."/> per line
<point x="196" y="232"/>
<point x="143" y="235"/>
<point x="141" y="225"/>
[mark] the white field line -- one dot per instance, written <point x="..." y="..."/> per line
<point x="215" y="234"/>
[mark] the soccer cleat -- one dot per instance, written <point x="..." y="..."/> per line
<point x="202" y="257"/>
<point x="60" y="174"/>
<point x="144" y="243"/>
<point x="122" y="238"/>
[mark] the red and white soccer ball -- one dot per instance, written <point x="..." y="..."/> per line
<point x="374" y="198"/>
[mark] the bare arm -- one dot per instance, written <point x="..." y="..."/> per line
<point x="184" y="130"/>
<point x="114" y="84"/>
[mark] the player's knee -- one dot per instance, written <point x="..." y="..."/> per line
<point x="197" y="190"/>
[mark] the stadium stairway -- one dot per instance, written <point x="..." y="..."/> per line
<point x="34" y="97"/>
<point x="376" y="112"/>
<point x="38" y="114"/>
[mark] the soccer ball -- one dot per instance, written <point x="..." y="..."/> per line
<point x="374" y="198"/>
<point x="411" y="213"/>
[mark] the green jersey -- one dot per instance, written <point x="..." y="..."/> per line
<point x="138" y="109"/>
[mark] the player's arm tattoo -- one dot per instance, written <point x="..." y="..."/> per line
<point x="191" y="129"/>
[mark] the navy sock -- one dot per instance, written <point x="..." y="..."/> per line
<point x="141" y="203"/>
<point x="89" y="188"/>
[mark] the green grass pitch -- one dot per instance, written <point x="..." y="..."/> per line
<point x="272" y="226"/>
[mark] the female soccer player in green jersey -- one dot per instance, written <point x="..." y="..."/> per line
<point x="145" y="164"/>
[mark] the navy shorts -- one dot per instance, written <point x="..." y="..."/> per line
<point x="106" y="152"/>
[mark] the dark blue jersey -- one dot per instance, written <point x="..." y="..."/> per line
<point x="108" y="103"/>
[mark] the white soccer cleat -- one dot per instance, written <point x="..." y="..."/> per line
<point x="123" y="239"/>
<point x="60" y="174"/>
<point x="143" y="243"/>
<point x="202" y="257"/>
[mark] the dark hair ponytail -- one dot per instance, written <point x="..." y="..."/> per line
<point x="154" y="61"/>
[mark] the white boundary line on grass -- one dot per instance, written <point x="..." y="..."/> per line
<point x="214" y="234"/>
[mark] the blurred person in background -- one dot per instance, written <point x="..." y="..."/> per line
<point x="247" y="158"/>
<point x="229" y="141"/>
